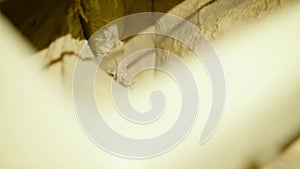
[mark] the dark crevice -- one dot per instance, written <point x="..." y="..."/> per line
<point x="61" y="57"/>
<point x="252" y="165"/>
<point x="199" y="9"/>
<point x="152" y="6"/>
<point x="83" y="27"/>
<point x="191" y="15"/>
<point x="206" y="5"/>
<point x="290" y="143"/>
